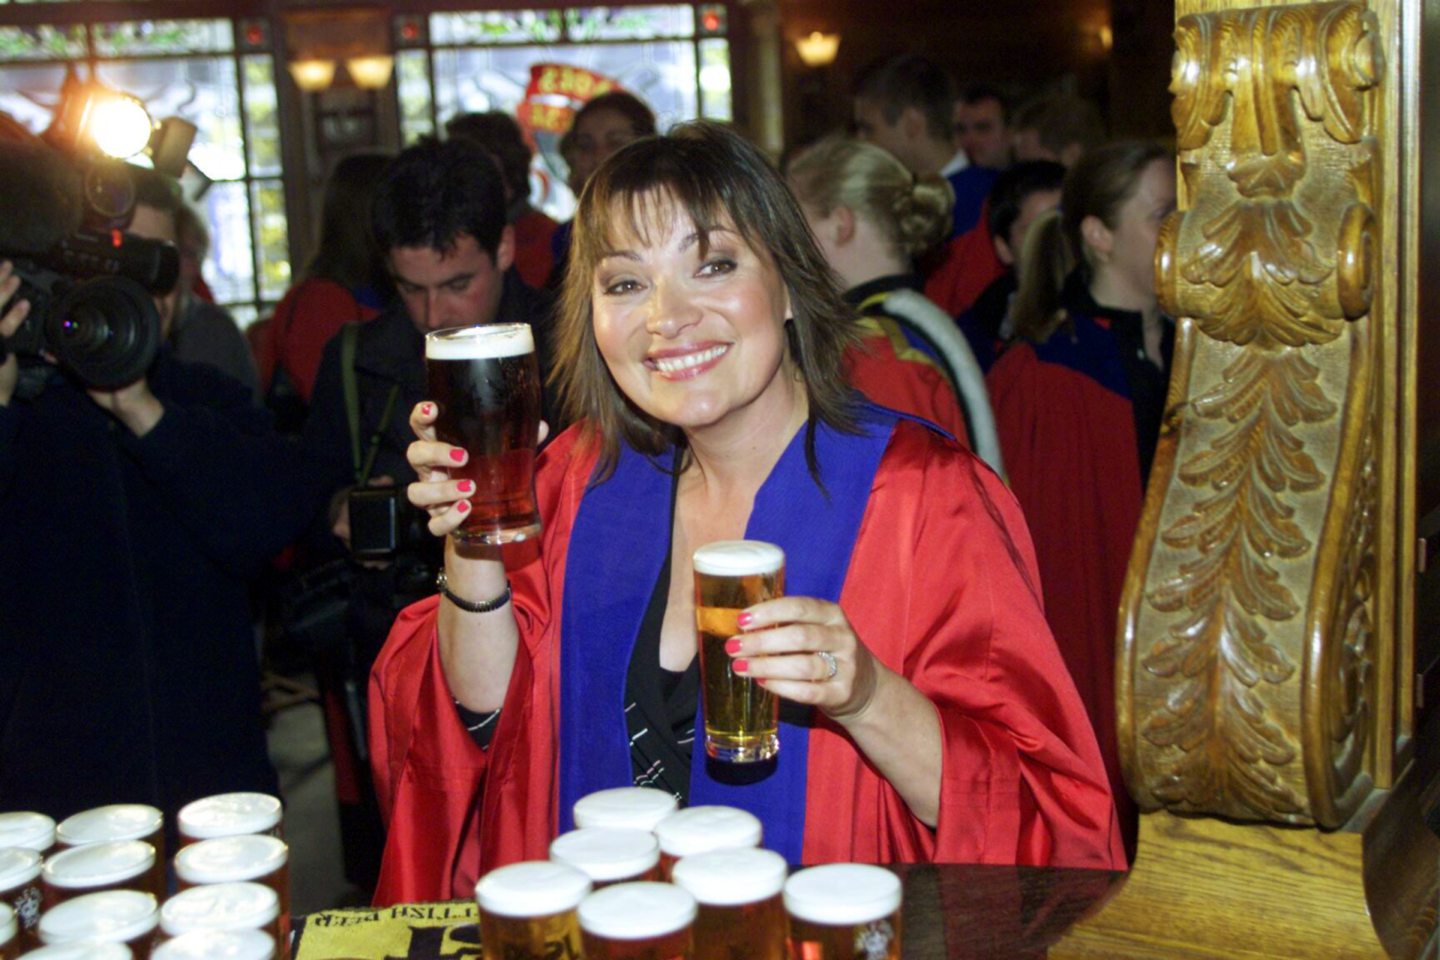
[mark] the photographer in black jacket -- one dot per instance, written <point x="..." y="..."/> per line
<point x="440" y="215"/>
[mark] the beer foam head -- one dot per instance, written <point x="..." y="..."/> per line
<point x="229" y="814"/>
<point x="488" y="341"/>
<point x="729" y="878"/>
<point x="118" y="821"/>
<point x="842" y="893"/>
<point x="607" y="853"/>
<point x="219" y="906"/>
<point x="738" y="558"/>
<point x="230" y="858"/>
<point x="22" y="828"/>
<point x="17" y="866"/>
<point x="9" y="926"/>
<point x="535" y="888"/>
<point x="701" y="829"/>
<point x="637" y="911"/>
<point x="99" y="864"/>
<point x="117" y="916"/>
<point x="636" y="808"/>
<point x="217" y="945"/>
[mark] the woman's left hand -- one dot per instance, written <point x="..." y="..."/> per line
<point x="790" y="643"/>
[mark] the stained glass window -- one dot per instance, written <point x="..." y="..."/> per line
<point x="188" y="69"/>
<point x="629" y="23"/>
<point x="495" y="26"/>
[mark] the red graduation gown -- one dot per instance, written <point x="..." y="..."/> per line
<point x="894" y="374"/>
<point x="1070" y="454"/>
<point x="941" y="587"/>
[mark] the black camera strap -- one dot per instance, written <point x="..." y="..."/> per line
<point x="349" y="337"/>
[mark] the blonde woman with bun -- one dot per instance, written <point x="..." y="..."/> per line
<point x="872" y="217"/>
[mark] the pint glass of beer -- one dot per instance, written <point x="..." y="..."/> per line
<point x="229" y="815"/>
<point x="117" y="865"/>
<point x="741" y="912"/>
<point x="841" y="911"/>
<point x="217" y="945"/>
<point x="609" y="855"/>
<point x="221" y="906"/>
<point x="528" y="910"/>
<point x="119" y="821"/>
<point x="27" y="830"/>
<point x="20" y="891"/>
<point x="638" y="921"/>
<point x="485" y="382"/>
<point x="696" y="830"/>
<point x="114" y="916"/>
<point x="632" y="808"/>
<point x="226" y="860"/>
<point x="742" y="720"/>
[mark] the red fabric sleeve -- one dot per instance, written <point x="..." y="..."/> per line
<point x="903" y="378"/>
<point x="942" y="588"/>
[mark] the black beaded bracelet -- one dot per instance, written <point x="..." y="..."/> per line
<point x="485" y="606"/>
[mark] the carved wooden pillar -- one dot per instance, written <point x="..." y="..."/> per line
<point x="1264" y="659"/>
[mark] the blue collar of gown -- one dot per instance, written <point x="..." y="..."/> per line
<point x="617" y="549"/>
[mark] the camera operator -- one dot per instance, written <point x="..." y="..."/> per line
<point x="131" y="522"/>
<point x="439" y="216"/>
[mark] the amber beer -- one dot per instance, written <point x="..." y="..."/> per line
<point x="485" y="382"/>
<point x="844" y="911"/>
<point x="741" y="915"/>
<point x="638" y="921"/>
<point x="527" y="911"/>
<point x="697" y="830"/>
<point x="742" y="719"/>
<point x="114" y="916"/>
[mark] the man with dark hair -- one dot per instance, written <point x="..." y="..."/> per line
<point x="439" y="215"/>
<point x="980" y="127"/>
<point x="904" y="104"/>
<point x="1021" y="194"/>
<point x="1056" y="127"/>
<point x="501" y="135"/>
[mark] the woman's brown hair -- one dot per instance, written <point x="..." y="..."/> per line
<point x="1097" y="186"/>
<point x="720" y="181"/>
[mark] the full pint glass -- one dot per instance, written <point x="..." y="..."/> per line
<point x="217" y="945"/>
<point x="638" y="921"/>
<point x="229" y="815"/>
<point x="113" y="916"/>
<point x="631" y="808"/>
<point x="485" y="381"/>
<point x="527" y="911"/>
<point x="844" y="911"/>
<point x="609" y="855"/>
<point x="20" y="891"/>
<point x="221" y="906"/>
<point x="742" y="720"/>
<point x="253" y="857"/>
<point x="116" y="865"/>
<point x="119" y="821"/>
<point x="741" y="912"/>
<point x="696" y="830"/>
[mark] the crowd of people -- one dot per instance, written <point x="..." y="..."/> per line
<point x="925" y="358"/>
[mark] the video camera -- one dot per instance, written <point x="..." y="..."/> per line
<point x="89" y="284"/>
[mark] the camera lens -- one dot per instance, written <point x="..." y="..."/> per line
<point x="105" y="331"/>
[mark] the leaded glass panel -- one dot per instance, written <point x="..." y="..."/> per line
<point x="232" y="262"/>
<point x="412" y="72"/>
<point x="495" y="26"/>
<point x="149" y="37"/>
<point x="268" y="207"/>
<point x="30" y="93"/>
<point x="42" y="42"/>
<point x="262" y="117"/>
<point x="587" y="24"/>
<point x="715" y="88"/>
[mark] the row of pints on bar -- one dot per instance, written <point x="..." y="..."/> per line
<point x="640" y="880"/>
<point x="94" y="886"/>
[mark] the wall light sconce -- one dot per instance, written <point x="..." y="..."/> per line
<point x="371" y="72"/>
<point x="312" y="76"/>
<point x="818" y="49"/>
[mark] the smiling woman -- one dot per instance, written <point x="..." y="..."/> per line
<point x="701" y="337"/>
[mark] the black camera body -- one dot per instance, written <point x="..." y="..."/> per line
<point x="383" y="523"/>
<point x="89" y="288"/>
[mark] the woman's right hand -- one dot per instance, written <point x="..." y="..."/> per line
<point x="445" y="499"/>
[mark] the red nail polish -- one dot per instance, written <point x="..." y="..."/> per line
<point x="465" y="486"/>
<point x="740" y="666"/>
<point x="732" y="646"/>
<point x="744" y="618"/>
<point x="462" y="506"/>
<point x="426" y="410"/>
<point x="457" y="455"/>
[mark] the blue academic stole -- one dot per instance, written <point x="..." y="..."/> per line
<point x="617" y="550"/>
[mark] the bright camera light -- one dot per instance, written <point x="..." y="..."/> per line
<point x="119" y="124"/>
